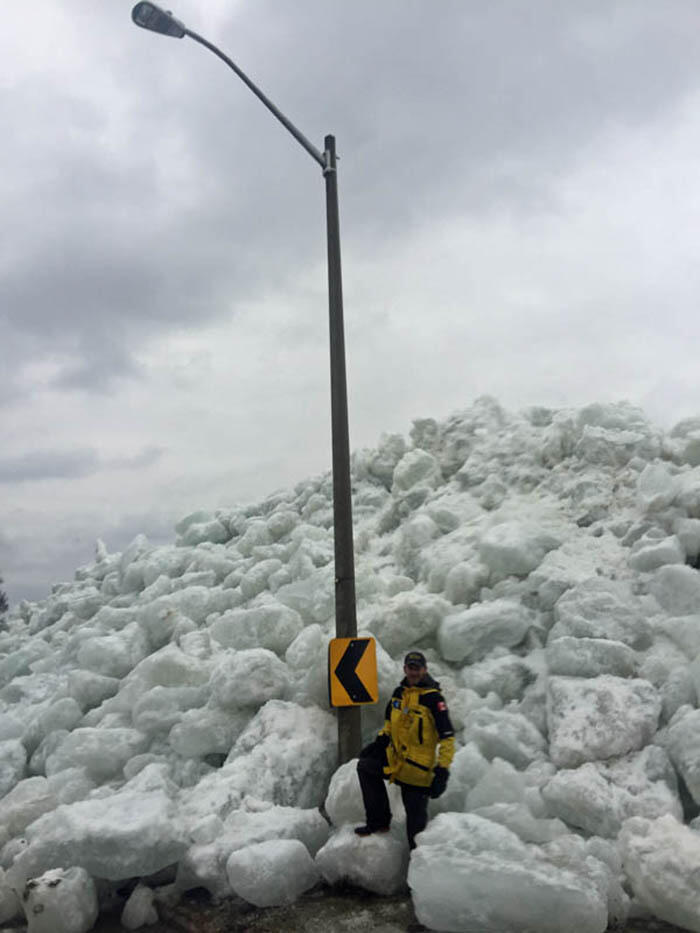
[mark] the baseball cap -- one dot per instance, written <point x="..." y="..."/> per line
<point x="415" y="659"/>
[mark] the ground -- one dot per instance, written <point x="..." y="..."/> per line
<point x="325" y="910"/>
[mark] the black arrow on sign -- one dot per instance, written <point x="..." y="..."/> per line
<point x="346" y="671"/>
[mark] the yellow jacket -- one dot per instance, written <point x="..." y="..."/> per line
<point x="416" y="722"/>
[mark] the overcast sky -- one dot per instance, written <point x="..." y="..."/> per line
<point x="520" y="206"/>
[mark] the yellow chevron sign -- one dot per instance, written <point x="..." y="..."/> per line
<point x="352" y="671"/>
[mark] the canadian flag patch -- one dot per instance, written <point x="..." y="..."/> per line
<point x="442" y="706"/>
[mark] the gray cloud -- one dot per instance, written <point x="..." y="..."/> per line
<point x="37" y="558"/>
<point x="204" y="202"/>
<point x="454" y="108"/>
<point x="148" y="199"/>
<point x="44" y="464"/>
<point x="146" y="458"/>
<point x="73" y="464"/>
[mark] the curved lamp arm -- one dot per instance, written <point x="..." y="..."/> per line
<point x="152" y="17"/>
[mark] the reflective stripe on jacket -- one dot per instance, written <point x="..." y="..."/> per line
<point x="417" y="721"/>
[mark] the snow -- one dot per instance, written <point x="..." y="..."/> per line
<point x="507" y="735"/>
<point x="472" y="875"/>
<point x="513" y="548"/>
<point x="63" y="714"/>
<point x="26" y="802"/>
<point x="10" y="727"/>
<point x="599" y="796"/>
<point x="161" y="708"/>
<point x="343" y="803"/>
<point x="124" y="835"/>
<point x="311" y="596"/>
<point x="376" y="863"/>
<point x="248" y="679"/>
<point x="474" y="633"/>
<point x="19" y="662"/>
<point x="688" y="533"/>
<point x="508" y="676"/>
<point x="89" y="689"/>
<point x="499" y="782"/>
<point x="660" y="859"/>
<point x="649" y="554"/>
<point x="139" y="909"/>
<point x="467" y="769"/>
<point x="292" y="750"/>
<point x="204" y="863"/>
<point x="13" y="759"/>
<point x="114" y="655"/>
<point x="168" y="708"/>
<point x="600" y="608"/>
<point x="407" y="619"/>
<point x="74" y="784"/>
<point x="677" y="589"/>
<point x="599" y="717"/>
<point x="286" y="756"/>
<point x="272" y="873"/>
<point x="683" y="744"/>
<point x="102" y="752"/>
<point x="10" y="906"/>
<point x="519" y="819"/>
<point x="590" y="657"/>
<point x="201" y="732"/>
<point x="656" y="488"/>
<point x="272" y="626"/>
<point x="417" y="467"/>
<point x="60" y="901"/>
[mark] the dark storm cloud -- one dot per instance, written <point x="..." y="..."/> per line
<point x="202" y="200"/>
<point x="102" y="362"/>
<point x="74" y="464"/>
<point x="453" y="107"/>
<point x="104" y="255"/>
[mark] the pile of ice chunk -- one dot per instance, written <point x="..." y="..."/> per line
<point x="164" y="717"/>
<point x="470" y="874"/>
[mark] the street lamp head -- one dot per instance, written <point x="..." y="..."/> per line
<point x="150" y="16"/>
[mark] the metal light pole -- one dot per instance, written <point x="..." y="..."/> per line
<point x="149" y="16"/>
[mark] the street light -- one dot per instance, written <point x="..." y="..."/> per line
<point x="149" y="16"/>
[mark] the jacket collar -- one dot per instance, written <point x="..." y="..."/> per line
<point x="426" y="681"/>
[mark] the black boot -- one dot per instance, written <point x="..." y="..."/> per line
<point x="369" y="831"/>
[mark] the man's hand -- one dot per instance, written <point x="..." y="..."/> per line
<point x="440" y="776"/>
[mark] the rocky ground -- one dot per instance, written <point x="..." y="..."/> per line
<point x="323" y="910"/>
<point x="346" y="910"/>
<point x="339" y="910"/>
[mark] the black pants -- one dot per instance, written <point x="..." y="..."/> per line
<point x="415" y="799"/>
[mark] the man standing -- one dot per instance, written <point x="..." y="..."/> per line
<point x="404" y="752"/>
